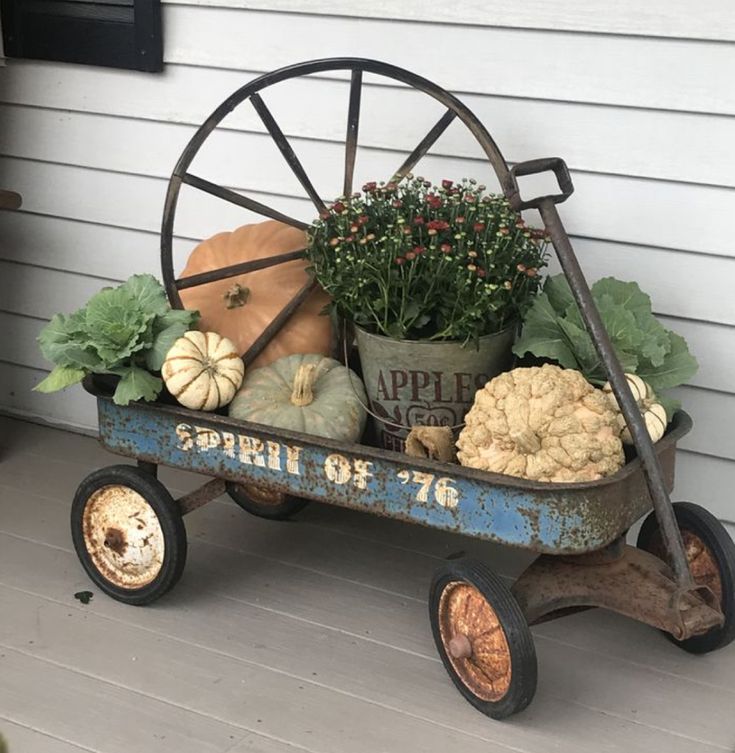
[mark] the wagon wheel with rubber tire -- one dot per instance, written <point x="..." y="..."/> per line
<point x="265" y="503"/>
<point x="128" y="534"/>
<point x="711" y="555"/>
<point x="482" y="638"/>
<point x="256" y="93"/>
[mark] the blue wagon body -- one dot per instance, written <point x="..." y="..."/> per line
<point x="546" y="518"/>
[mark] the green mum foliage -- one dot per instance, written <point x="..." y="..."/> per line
<point x="553" y="329"/>
<point x="125" y="331"/>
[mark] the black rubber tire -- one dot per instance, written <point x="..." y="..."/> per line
<point x="524" y="670"/>
<point x="712" y="533"/>
<point x="281" y="511"/>
<point x="169" y="519"/>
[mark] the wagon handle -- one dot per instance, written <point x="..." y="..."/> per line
<point x="534" y="167"/>
<point x="670" y="533"/>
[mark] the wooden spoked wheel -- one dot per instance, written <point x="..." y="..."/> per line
<point x="265" y="503"/>
<point x="253" y="93"/>
<point x="711" y="555"/>
<point x="128" y="534"/>
<point x="482" y="638"/>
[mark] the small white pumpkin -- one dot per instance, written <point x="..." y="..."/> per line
<point x="203" y="370"/>
<point x="654" y="414"/>
<point x="307" y="393"/>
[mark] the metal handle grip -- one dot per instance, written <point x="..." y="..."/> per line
<point x="534" y="167"/>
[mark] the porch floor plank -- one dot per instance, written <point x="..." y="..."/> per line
<point x="307" y="635"/>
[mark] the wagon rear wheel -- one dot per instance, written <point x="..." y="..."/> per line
<point x="711" y="555"/>
<point x="128" y="534"/>
<point x="482" y="638"/>
<point x="265" y="503"/>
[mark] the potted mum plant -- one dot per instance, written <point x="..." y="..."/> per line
<point x="434" y="280"/>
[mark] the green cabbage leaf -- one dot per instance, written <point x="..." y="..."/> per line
<point x="125" y="331"/>
<point x="553" y="329"/>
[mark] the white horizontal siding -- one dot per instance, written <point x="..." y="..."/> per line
<point x="637" y="100"/>
<point x="636" y="71"/>
<point x="656" y="18"/>
<point x="594" y="138"/>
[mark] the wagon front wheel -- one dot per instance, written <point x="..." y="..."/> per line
<point x="263" y="502"/>
<point x="482" y="638"/>
<point x="128" y="534"/>
<point x="711" y="555"/>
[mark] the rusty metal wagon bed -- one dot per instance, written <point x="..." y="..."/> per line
<point x="129" y="532"/>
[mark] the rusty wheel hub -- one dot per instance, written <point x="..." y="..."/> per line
<point x="475" y="641"/>
<point x="261" y="495"/>
<point x="702" y="562"/>
<point x="123" y="536"/>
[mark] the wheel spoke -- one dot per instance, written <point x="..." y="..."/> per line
<point x="242" y="201"/>
<point x="425" y="144"/>
<point x="237" y="269"/>
<point x="278" y="322"/>
<point x="286" y="150"/>
<point x="353" y="121"/>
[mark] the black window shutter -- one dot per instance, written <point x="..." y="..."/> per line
<point x="117" y="33"/>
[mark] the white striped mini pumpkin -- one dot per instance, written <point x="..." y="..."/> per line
<point x="203" y="370"/>
<point x="654" y="414"/>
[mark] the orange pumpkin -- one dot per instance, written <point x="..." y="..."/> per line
<point x="241" y="307"/>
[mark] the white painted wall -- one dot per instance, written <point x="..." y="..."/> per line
<point x="637" y="98"/>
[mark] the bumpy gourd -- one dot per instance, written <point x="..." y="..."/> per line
<point x="203" y="370"/>
<point x="543" y="424"/>
<point x="654" y="414"/>
<point x="241" y="307"/>
<point x="307" y="393"/>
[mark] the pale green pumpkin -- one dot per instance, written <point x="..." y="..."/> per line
<point x="307" y="393"/>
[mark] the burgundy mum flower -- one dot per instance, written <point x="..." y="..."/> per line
<point x="338" y="207"/>
<point x="478" y="227"/>
<point x="437" y="225"/>
<point x="418" y="220"/>
<point x="399" y="260"/>
<point x="362" y="219"/>
<point x="446" y="248"/>
<point x="433" y="201"/>
<point x="370" y="187"/>
<point x="459" y="220"/>
<point x="418" y="250"/>
<point x="447" y="184"/>
<point x="396" y="203"/>
<point x="410" y="255"/>
<point x="481" y="272"/>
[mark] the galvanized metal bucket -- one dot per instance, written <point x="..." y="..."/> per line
<point x="421" y="383"/>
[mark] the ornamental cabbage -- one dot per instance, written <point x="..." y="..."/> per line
<point x="125" y="331"/>
<point x="553" y="329"/>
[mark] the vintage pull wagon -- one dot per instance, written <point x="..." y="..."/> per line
<point x="129" y="532"/>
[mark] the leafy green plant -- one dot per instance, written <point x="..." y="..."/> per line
<point x="125" y="331"/>
<point x="413" y="261"/>
<point x="553" y="328"/>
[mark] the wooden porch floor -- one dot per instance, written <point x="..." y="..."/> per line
<point x="310" y="635"/>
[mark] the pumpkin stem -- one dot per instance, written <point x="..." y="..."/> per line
<point x="303" y="381"/>
<point x="527" y="441"/>
<point x="236" y="296"/>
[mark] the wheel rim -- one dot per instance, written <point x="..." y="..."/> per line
<point x="123" y="536"/>
<point x="702" y="561"/>
<point x="260" y="495"/>
<point x="474" y="641"/>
